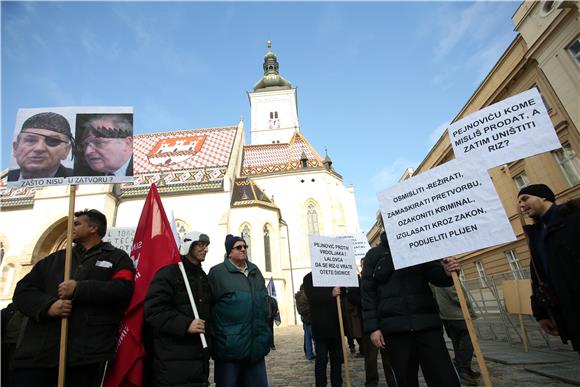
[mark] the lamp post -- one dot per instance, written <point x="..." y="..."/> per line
<point x="282" y="222"/>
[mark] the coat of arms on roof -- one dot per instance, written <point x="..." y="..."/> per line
<point x="173" y="150"/>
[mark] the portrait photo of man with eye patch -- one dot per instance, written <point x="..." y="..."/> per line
<point x="43" y="143"/>
<point x="104" y="145"/>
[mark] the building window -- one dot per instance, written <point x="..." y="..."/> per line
<point x="521" y="180"/>
<point x="7" y="277"/>
<point x="514" y="263"/>
<point x="544" y="100"/>
<point x="267" y="252"/>
<point x="1" y="251"/>
<point x="481" y="273"/>
<point x="312" y="217"/>
<point x="569" y="163"/>
<point x="574" y="50"/>
<point x="248" y="239"/>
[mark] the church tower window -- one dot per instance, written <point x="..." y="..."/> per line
<point x="267" y="251"/>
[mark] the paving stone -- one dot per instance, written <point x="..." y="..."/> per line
<point x="567" y="372"/>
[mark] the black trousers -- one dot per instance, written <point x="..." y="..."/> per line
<point x="462" y="347"/>
<point x="409" y="350"/>
<point x="89" y="375"/>
<point x="325" y="349"/>
<point x="371" y="367"/>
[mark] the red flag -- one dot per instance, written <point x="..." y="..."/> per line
<point x="153" y="247"/>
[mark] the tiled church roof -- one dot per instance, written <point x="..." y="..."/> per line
<point x="15" y="197"/>
<point x="192" y="160"/>
<point x="273" y="158"/>
<point x="247" y="193"/>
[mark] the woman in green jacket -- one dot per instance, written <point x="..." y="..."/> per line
<point x="241" y="331"/>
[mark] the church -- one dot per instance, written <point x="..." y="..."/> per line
<point x="274" y="190"/>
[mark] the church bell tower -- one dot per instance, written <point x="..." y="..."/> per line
<point x="273" y="104"/>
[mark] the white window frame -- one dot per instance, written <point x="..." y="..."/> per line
<point x="514" y="263"/>
<point x="521" y="180"/>
<point x="481" y="273"/>
<point x="575" y="55"/>
<point x="569" y="163"/>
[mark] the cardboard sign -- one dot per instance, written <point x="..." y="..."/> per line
<point x="448" y="210"/>
<point x="509" y="130"/>
<point x="333" y="261"/>
<point x="121" y="237"/>
<point x="360" y="244"/>
<point x="72" y="145"/>
<point x="516" y="294"/>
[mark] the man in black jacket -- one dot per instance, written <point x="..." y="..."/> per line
<point x="399" y="310"/>
<point x="554" y="241"/>
<point x="326" y="331"/>
<point x="94" y="301"/>
<point x="179" y="358"/>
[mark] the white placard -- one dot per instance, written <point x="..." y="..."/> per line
<point x="360" y="245"/>
<point x="121" y="237"/>
<point x="509" y="130"/>
<point x="451" y="209"/>
<point x="72" y="145"/>
<point x="332" y="261"/>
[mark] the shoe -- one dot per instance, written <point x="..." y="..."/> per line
<point x="467" y="380"/>
<point x="273" y="348"/>
<point x="352" y="350"/>
<point x="474" y="374"/>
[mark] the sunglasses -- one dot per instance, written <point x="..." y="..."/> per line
<point x="239" y="247"/>
<point x="29" y="138"/>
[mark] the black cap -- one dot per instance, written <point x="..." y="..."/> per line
<point x="48" y="121"/>
<point x="539" y="190"/>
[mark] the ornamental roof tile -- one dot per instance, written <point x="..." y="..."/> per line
<point x="274" y="158"/>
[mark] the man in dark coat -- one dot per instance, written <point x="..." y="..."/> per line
<point x="45" y="140"/>
<point x="399" y="310"/>
<point x="179" y="358"/>
<point x="326" y="331"/>
<point x="94" y="301"/>
<point x="303" y="308"/>
<point x="554" y="241"/>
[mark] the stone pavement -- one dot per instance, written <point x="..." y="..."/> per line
<point x="287" y="366"/>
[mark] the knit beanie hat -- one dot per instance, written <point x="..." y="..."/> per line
<point x="231" y="241"/>
<point x="539" y="190"/>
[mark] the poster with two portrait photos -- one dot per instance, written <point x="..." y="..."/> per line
<point x="71" y="145"/>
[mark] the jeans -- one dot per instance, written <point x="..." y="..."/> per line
<point x="326" y="348"/>
<point x="308" y="349"/>
<point x="240" y="373"/>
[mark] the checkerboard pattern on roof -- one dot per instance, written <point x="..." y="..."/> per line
<point x="215" y="152"/>
<point x="272" y="158"/>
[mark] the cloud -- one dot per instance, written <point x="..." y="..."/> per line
<point x="437" y="132"/>
<point x="391" y="173"/>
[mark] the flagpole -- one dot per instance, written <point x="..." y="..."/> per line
<point x="191" y="301"/>
<point x="67" y="269"/>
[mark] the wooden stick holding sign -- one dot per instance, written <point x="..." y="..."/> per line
<point x="342" y="341"/>
<point x="67" y="270"/>
<point x="191" y="301"/>
<point x="471" y="330"/>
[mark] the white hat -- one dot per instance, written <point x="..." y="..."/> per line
<point x="190" y="238"/>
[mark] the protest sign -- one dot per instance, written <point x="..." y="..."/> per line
<point x="332" y="261"/>
<point x="509" y="130"/>
<point x="360" y="244"/>
<point x="121" y="237"/>
<point x="451" y="209"/>
<point x="71" y="145"/>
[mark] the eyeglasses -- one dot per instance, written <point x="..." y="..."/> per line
<point x="239" y="247"/>
<point x="97" y="143"/>
<point x="31" y="139"/>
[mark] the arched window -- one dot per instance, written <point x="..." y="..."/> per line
<point x="246" y="234"/>
<point x="7" y="277"/>
<point x="312" y="218"/>
<point x="267" y="252"/>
